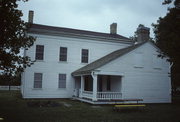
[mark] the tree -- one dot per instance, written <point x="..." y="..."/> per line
<point x="13" y="38"/>
<point x="167" y="36"/>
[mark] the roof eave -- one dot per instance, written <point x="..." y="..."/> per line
<point x="82" y="70"/>
<point x="82" y="36"/>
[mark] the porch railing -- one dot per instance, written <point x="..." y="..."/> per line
<point x="101" y="95"/>
<point x="87" y="94"/>
<point x="109" y="95"/>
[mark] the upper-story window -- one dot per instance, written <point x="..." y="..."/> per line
<point x="84" y="56"/>
<point x="63" y="54"/>
<point x="39" y="52"/>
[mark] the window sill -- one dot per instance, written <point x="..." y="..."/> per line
<point x="39" y="60"/>
<point x="84" y="63"/>
<point x="36" y="88"/>
<point x="61" y="88"/>
<point x="63" y="62"/>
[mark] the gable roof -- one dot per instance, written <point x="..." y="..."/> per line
<point x="51" y="30"/>
<point x="106" y="59"/>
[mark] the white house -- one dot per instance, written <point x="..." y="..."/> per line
<point x="95" y="67"/>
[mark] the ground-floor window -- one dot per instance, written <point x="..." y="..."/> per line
<point x="38" y="80"/>
<point x="62" y="80"/>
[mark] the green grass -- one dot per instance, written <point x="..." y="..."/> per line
<point x="15" y="109"/>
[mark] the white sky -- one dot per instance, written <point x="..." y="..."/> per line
<point x="96" y="15"/>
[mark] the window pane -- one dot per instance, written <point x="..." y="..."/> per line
<point x="38" y="76"/>
<point x="63" y="54"/>
<point x="84" y="56"/>
<point x="39" y="52"/>
<point x="62" y="80"/>
<point x="37" y="80"/>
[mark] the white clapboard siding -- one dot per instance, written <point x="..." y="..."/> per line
<point x="148" y="80"/>
<point x="51" y="67"/>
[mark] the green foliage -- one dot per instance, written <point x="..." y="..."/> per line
<point x="167" y="2"/>
<point x="13" y="38"/>
<point x="167" y="36"/>
<point x="8" y="80"/>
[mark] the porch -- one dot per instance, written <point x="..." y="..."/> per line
<point x="101" y="95"/>
<point x="98" y="88"/>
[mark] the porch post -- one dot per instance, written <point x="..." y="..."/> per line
<point x="94" y="87"/>
<point x="122" y="87"/>
<point x="82" y="86"/>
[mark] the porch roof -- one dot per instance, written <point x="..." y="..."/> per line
<point x="106" y="59"/>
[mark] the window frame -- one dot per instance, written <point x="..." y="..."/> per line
<point x="63" y="53"/>
<point x="84" y="56"/>
<point x="39" y="54"/>
<point x="62" y="78"/>
<point x="38" y="82"/>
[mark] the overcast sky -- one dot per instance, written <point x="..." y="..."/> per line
<point x="96" y="15"/>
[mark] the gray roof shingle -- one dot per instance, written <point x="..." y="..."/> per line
<point x="106" y="59"/>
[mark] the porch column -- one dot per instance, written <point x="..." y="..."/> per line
<point x="82" y="86"/>
<point x="94" y="87"/>
<point x="122" y="87"/>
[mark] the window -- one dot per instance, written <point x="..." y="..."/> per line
<point x="39" y="52"/>
<point x="84" y="56"/>
<point x="63" y="54"/>
<point x="37" y="80"/>
<point x="62" y="80"/>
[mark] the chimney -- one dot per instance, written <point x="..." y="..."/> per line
<point x="31" y="15"/>
<point x="113" y="28"/>
<point x="142" y="33"/>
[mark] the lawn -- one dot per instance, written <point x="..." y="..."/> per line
<point x="15" y="109"/>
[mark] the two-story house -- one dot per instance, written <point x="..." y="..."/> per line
<point x="94" y="67"/>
